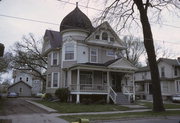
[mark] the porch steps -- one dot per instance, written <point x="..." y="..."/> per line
<point x="122" y="99"/>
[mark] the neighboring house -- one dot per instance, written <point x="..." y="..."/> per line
<point x="87" y="60"/>
<point x="169" y="70"/>
<point x="21" y="88"/>
<point x="24" y="77"/>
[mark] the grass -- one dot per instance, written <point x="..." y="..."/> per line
<point x="120" y="115"/>
<point x="77" y="108"/>
<point x="150" y="105"/>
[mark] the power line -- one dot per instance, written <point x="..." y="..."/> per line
<point x="27" y="19"/>
<point x="113" y="13"/>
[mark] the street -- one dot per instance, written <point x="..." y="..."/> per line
<point x="17" y="110"/>
<point x="169" y="119"/>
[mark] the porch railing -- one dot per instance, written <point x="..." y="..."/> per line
<point x="112" y="94"/>
<point x="89" y="88"/>
<point x="127" y="89"/>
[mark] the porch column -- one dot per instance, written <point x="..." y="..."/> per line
<point x="134" y="88"/>
<point x="77" y="98"/>
<point x="108" y="87"/>
<point x="78" y="87"/>
<point x="78" y="81"/>
<point x="69" y="82"/>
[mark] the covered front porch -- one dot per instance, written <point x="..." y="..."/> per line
<point x="100" y="80"/>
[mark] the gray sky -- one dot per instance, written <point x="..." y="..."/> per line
<point x="53" y="11"/>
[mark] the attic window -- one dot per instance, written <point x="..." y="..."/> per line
<point x="112" y="39"/>
<point x="97" y="37"/>
<point x="104" y="36"/>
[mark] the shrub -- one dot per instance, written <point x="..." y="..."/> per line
<point x="47" y="97"/>
<point x="62" y="94"/>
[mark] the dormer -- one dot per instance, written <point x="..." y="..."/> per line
<point x="105" y="36"/>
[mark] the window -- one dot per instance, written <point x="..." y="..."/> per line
<point x="55" y="58"/>
<point x="104" y="36"/>
<point x="175" y="71"/>
<point x="69" y="52"/>
<point x="97" y="37"/>
<point x="111" y="39"/>
<point x="55" y="79"/>
<point x="162" y="72"/>
<point x="110" y="53"/>
<point x="178" y="86"/>
<point x="93" y="55"/>
<point x="85" y="77"/>
<point x="27" y="79"/>
<point x="20" y="78"/>
<point x="49" y="80"/>
<point x="20" y="90"/>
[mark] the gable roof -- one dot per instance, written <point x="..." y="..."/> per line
<point x="110" y="29"/>
<point x="54" y="37"/>
<point x="18" y="83"/>
<point x="119" y="63"/>
<point x="173" y="62"/>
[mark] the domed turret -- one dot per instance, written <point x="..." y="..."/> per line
<point x="76" y="20"/>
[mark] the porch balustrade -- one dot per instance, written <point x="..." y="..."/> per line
<point x="128" y="89"/>
<point x="89" y="88"/>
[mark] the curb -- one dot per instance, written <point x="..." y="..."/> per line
<point x="49" y="110"/>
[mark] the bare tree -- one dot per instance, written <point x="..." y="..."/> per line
<point x="134" y="49"/>
<point x="123" y="13"/>
<point x="28" y="57"/>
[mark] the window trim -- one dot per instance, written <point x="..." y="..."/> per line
<point x="52" y="58"/>
<point x="163" y="71"/>
<point x="102" y="36"/>
<point x="175" y="71"/>
<point x="52" y="86"/>
<point x="107" y="51"/>
<point x="48" y="80"/>
<point x="68" y="45"/>
<point x="96" y="49"/>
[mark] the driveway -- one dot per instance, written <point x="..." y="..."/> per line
<point x="17" y="110"/>
<point x="20" y="106"/>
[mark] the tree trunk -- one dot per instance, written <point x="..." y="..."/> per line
<point x="148" y="42"/>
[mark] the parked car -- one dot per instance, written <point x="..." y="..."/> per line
<point x="12" y="94"/>
<point x="176" y="98"/>
<point x="39" y="95"/>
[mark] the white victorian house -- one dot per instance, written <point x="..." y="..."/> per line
<point x="87" y="60"/>
<point x="169" y="71"/>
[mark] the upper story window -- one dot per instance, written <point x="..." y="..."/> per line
<point x="111" y="39"/>
<point x="55" y="58"/>
<point x="69" y="52"/>
<point x="20" y="78"/>
<point x="55" y="79"/>
<point x="94" y="55"/>
<point x="97" y="37"/>
<point x="27" y="79"/>
<point x="110" y="53"/>
<point x="175" y="71"/>
<point x="162" y="72"/>
<point x="104" y="36"/>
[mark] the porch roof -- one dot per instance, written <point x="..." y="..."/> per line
<point x="117" y="65"/>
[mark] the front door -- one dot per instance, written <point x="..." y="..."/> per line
<point x="116" y="81"/>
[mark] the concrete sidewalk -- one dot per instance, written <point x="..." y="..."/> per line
<point x="54" y="112"/>
<point x="49" y="110"/>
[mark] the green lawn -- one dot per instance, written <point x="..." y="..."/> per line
<point x="120" y="115"/>
<point x="150" y="105"/>
<point x="77" y="108"/>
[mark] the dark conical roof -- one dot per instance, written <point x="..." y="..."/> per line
<point x="76" y="20"/>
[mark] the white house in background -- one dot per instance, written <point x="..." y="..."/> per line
<point x="169" y="70"/>
<point x="23" y="80"/>
<point x="87" y="60"/>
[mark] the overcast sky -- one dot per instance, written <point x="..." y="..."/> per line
<point x="53" y="11"/>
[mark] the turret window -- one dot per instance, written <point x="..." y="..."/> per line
<point x="69" y="52"/>
<point x="104" y="36"/>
